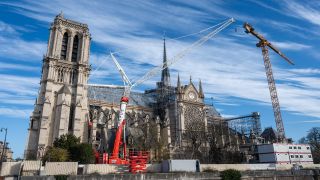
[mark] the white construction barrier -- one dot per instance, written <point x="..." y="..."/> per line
<point x="61" y="168"/>
<point x="31" y="168"/>
<point x="10" y="168"/>
<point x="99" y="168"/>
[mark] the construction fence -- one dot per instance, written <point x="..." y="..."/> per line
<point x="34" y="168"/>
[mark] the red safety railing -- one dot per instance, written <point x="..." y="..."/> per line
<point x="138" y="161"/>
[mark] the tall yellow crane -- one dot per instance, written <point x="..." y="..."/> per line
<point x="264" y="44"/>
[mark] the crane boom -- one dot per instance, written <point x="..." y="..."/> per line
<point x="123" y="74"/>
<point x="181" y="54"/>
<point x="249" y="29"/>
<point x="264" y="44"/>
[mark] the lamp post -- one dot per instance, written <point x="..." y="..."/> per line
<point x="5" y="142"/>
<point x="40" y="151"/>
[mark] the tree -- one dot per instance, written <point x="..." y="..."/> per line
<point x="313" y="138"/>
<point x="55" y="154"/>
<point x="66" y="141"/>
<point x="195" y="136"/>
<point x="223" y="146"/>
<point x="82" y="153"/>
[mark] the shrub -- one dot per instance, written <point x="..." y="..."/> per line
<point x="230" y="174"/>
<point x="66" y="141"/>
<point x="82" y="153"/>
<point x="60" y="177"/>
<point x="54" y="154"/>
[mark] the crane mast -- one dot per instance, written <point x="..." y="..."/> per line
<point x="264" y="44"/>
<point x="273" y="93"/>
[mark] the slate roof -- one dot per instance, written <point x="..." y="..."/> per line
<point x="211" y="111"/>
<point x="113" y="94"/>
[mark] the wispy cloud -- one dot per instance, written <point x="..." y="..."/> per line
<point x="305" y="121"/>
<point x="307" y="71"/>
<point x="14" y="47"/>
<point x="227" y="66"/>
<point x="17" y="90"/>
<point x="304" y="10"/>
<point x="16" y="66"/>
<point x="290" y="46"/>
<point x="16" y="113"/>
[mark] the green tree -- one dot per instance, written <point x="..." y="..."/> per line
<point x="66" y="141"/>
<point x="55" y="154"/>
<point x="82" y="153"/>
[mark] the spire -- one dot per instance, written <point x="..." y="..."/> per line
<point x="165" y="75"/>
<point x="200" y="90"/>
<point x="178" y="84"/>
<point x="190" y="79"/>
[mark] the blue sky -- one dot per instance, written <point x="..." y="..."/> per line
<point x="230" y="66"/>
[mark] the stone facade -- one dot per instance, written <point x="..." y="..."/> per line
<point x="7" y="152"/>
<point x="62" y="103"/>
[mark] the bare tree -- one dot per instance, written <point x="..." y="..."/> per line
<point x="313" y="138"/>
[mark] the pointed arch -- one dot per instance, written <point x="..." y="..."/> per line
<point x="64" y="46"/>
<point x="74" y="56"/>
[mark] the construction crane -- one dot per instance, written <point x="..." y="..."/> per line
<point x="264" y="44"/>
<point x="128" y="85"/>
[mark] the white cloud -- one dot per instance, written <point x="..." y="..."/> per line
<point x="18" y="90"/>
<point x="13" y="47"/>
<point x="306" y="11"/>
<point x="16" y="48"/>
<point x="307" y="71"/>
<point x="17" y="113"/>
<point x="290" y="45"/>
<point x="4" y="27"/>
<point x="305" y="121"/>
<point x="21" y="67"/>
<point x="228" y="68"/>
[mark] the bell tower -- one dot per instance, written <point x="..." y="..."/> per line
<point x="62" y="104"/>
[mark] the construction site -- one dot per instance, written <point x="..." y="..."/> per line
<point x="169" y="128"/>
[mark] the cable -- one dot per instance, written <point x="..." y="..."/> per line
<point x="199" y="32"/>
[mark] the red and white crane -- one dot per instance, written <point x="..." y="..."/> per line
<point x="128" y="85"/>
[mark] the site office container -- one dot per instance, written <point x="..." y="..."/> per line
<point x="183" y="165"/>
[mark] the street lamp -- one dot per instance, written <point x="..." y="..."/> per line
<point x="40" y="151"/>
<point x="4" y="143"/>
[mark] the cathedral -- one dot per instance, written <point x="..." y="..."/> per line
<point x="67" y="104"/>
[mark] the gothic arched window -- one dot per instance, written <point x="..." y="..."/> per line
<point x="64" y="46"/>
<point x="75" y="49"/>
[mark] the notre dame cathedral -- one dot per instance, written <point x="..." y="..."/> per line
<point x="67" y="104"/>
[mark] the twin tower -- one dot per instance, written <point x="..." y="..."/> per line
<point x="61" y="106"/>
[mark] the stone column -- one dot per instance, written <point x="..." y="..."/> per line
<point x="57" y="41"/>
<point x="82" y="48"/>
<point x="49" y="49"/>
<point x="70" y="46"/>
<point x="180" y="122"/>
<point x="158" y="128"/>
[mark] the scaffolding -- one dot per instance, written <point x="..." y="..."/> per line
<point x="245" y="125"/>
